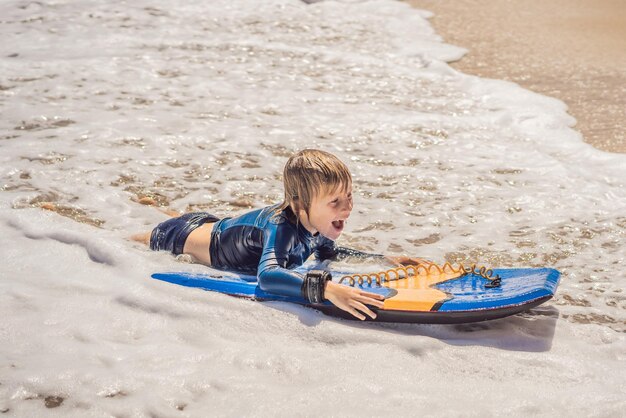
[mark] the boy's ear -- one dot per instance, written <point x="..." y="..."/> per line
<point x="297" y="207"/>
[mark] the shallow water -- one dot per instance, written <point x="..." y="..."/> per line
<point x="572" y="50"/>
<point x="198" y="105"/>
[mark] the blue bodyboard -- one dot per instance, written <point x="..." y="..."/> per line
<point x="468" y="298"/>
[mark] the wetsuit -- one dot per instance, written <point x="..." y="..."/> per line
<point x="266" y="242"/>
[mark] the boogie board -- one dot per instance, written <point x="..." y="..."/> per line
<point x="413" y="294"/>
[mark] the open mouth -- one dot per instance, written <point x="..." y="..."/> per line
<point x="339" y="224"/>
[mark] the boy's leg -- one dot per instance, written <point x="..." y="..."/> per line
<point x="171" y="213"/>
<point x="198" y="243"/>
<point x="143" y="238"/>
<point x="186" y="234"/>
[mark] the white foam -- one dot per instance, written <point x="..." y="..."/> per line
<point x="199" y="103"/>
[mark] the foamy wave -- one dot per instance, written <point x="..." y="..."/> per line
<point x="197" y="105"/>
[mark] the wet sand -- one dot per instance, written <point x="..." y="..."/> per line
<point x="574" y="50"/>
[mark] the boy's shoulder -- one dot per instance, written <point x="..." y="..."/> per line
<point x="274" y="215"/>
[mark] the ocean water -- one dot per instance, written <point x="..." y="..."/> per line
<point x="197" y="105"/>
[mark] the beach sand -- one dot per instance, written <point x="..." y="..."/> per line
<point x="574" y="50"/>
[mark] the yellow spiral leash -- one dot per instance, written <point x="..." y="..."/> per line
<point x="422" y="270"/>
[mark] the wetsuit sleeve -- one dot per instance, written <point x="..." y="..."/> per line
<point x="273" y="274"/>
<point x="328" y="250"/>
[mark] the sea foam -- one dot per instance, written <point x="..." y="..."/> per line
<point x="197" y="105"/>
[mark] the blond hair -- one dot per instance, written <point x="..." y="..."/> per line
<point x="310" y="173"/>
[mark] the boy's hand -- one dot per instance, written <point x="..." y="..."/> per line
<point x="353" y="299"/>
<point x="406" y="261"/>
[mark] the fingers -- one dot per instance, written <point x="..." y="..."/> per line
<point x="406" y="261"/>
<point x="354" y="300"/>
<point x="394" y="261"/>
<point x="371" y="295"/>
<point x="355" y="313"/>
<point x="361" y="307"/>
<point x="356" y="306"/>
<point x="369" y="301"/>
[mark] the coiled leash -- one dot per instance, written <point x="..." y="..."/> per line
<point x="422" y="269"/>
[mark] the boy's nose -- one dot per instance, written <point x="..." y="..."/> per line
<point x="347" y="208"/>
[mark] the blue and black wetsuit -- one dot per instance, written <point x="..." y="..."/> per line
<point x="267" y="242"/>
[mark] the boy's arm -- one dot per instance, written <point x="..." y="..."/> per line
<point x="345" y="252"/>
<point x="273" y="274"/>
<point x="329" y="250"/>
<point x="315" y="286"/>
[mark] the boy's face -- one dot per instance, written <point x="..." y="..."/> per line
<point x="329" y="212"/>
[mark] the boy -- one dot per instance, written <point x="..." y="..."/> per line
<point x="270" y="242"/>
